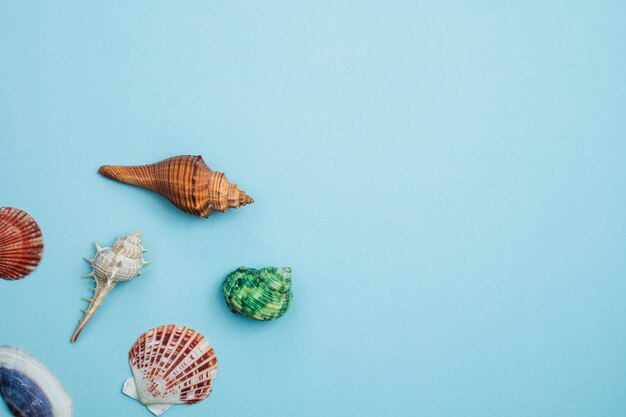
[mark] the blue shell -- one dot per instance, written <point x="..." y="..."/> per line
<point x="29" y="388"/>
<point x="23" y="395"/>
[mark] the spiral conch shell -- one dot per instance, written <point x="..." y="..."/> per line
<point x="120" y="263"/>
<point x="29" y="388"/>
<point x="184" y="180"/>
<point x="262" y="294"/>
<point x="21" y="244"/>
<point x="171" y="365"/>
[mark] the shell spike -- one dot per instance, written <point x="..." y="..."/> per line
<point x="245" y="199"/>
<point x="121" y="262"/>
<point x="237" y="197"/>
<point x="102" y="290"/>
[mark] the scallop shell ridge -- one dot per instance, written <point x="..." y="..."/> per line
<point x="171" y="365"/>
<point x="21" y="244"/>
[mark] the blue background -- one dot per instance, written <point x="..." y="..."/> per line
<point x="445" y="178"/>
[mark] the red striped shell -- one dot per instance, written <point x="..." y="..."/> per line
<point x="21" y="244"/>
<point x="171" y="365"/>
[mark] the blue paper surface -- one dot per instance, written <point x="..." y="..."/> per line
<point x="446" y="179"/>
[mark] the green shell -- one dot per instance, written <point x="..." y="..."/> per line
<point x="263" y="294"/>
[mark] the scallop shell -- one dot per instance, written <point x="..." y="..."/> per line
<point x="29" y="388"/>
<point x="171" y="365"/>
<point x="262" y="294"/>
<point x="184" y="180"/>
<point x="120" y="263"/>
<point x="21" y="244"/>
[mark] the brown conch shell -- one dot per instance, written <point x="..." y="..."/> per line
<point x="184" y="180"/>
<point x="21" y="244"/>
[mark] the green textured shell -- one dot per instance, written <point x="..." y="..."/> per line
<point x="263" y="294"/>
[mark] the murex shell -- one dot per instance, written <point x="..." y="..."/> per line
<point x="186" y="181"/>
<point x="29" y="388"/>
<point x="171" y="365"/>
<point x="21" y="244"/>
<point x="263" y="294"/>
<point x="120" y="263"/>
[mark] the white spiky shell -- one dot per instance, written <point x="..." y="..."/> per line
<point x="171" y="365"/>
<point x="121" y="262"/>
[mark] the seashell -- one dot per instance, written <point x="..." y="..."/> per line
<point x="184" y="180"/>
<point x="120" y="263"/>
<point x="263" y="294"/>
<point x="21" y="244"/>
<point x="171" y="365"/>
<point x="29" y="388"/>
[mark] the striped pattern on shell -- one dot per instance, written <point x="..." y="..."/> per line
<point x="184" y="180"/>
<point x="121" y="262"/>
<point x="21" y="243"/>
<point x="171" y="365"/>
<point x="262" y="294"/>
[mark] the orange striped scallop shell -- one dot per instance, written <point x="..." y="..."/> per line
<point x="21" y="244"/>
<point x="171" y="365"/>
